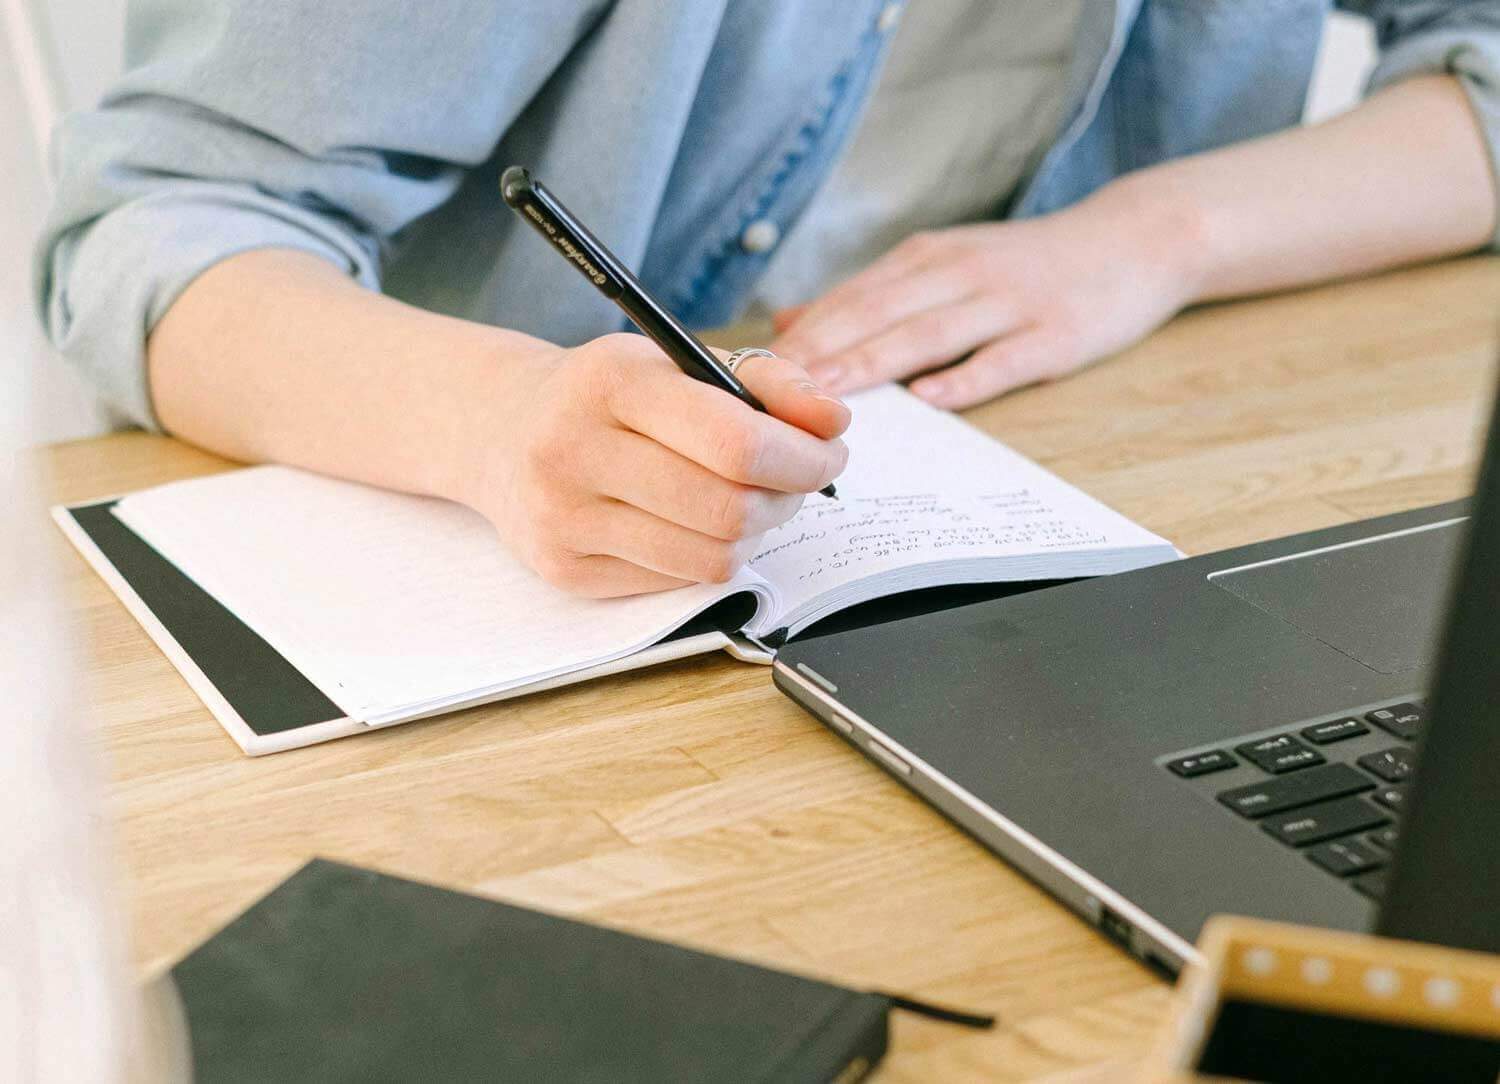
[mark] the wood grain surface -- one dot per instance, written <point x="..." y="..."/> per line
<point x="695" y="803"/>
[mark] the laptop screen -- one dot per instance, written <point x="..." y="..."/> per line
<point x="1445" y="883"/>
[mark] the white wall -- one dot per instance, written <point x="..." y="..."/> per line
<point x="1345" y="59"/>
<point x="93" y="32"/>
<point x="31" y="84"/>
<point x="80" y="47"/>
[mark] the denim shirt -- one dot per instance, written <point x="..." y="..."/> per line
<point x="372" y="133"/>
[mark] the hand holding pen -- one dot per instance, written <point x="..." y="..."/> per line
<point x="575" y="243"/>
<point x="613" y="474"/>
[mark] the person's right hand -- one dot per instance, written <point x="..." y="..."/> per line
<point x="609" y="472"/>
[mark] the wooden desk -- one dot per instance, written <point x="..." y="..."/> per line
<point x="695" y="803"/>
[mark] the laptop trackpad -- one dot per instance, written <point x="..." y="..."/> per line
<point x="1380" y="601"/>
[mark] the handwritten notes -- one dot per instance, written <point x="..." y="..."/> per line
<point x="929" y="500"/>
<point x="871" y="532"/>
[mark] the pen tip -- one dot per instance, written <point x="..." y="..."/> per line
<point x="829" y="491"/>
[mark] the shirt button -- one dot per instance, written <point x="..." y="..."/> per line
<point x="760" y="236"/>
<point x="889" y="16"/>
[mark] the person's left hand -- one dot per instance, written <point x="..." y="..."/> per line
<point x="1011" y="302"/>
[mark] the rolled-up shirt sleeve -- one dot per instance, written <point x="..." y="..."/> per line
<point x="324" y="127"/>
<point x="1452" y="37"/>
<point x="106" y="280"/>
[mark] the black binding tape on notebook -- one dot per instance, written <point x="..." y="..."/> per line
<point x="269" y="693"/>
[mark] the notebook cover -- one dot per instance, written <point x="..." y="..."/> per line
<point x="264" y="702"/>
<point x="344" y="974"/>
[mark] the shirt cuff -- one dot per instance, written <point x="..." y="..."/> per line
<point x="1471" y="54"/>
<point x="104" y="287"/>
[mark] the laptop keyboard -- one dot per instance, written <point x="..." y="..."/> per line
<point x="1333" y="789"/>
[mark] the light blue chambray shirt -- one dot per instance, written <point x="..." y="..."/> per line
<point x="372" y="133"/>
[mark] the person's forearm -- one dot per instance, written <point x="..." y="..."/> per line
<point x="602" y="467"/>
<point x="277" y="355"/>
<point x="1403" y="177"/>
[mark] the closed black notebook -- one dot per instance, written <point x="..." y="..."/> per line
<point x="343" y="974"/>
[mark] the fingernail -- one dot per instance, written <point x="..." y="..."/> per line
<point x="817" y="391"/>
<point x="831" y="376"/>
<point x="933" y="391"/>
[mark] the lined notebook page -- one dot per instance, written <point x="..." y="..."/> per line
<point x="922" y="486"/>
<point x="392" y="605"/>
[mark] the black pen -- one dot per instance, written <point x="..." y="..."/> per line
<point x="530" y="199"/>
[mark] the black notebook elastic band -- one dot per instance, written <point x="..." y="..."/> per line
<point x="938" y="1012"/>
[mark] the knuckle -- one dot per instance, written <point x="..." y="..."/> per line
<point x="970" y="266"/>
<point x="869" y="309"/>
<point x="1004" y="277"/>
<point x="546" y="455"/>
<point x="558" y="518"/>
<point x="537" y="464"/>
<point x="960" y="381"/>
<point x="738" y="450"/>
<point x="549" y="527"/>
<point x="915" y="244"/>
<point x="621" y="346"/>
<point x="719" y="563"/>
<point x="599" y="376"/>
<point x="732" y="512"/>
<point x="793" y="372"/>
<point x="616" y="364"/>
<point x="555" y="568"/>
<point x="811" y="340"/>
<point x="616" y="341"/>
<point x="926" y="327"/>
<point x="864" y="361"/>
<point x="639" y="354"/>
<point x="923" y="244"/>
<point x="1063" y="345"/>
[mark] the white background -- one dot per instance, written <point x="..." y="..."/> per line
<point x="60" y="54"/>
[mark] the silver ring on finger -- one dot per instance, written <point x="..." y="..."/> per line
<point x="733" y="361"/>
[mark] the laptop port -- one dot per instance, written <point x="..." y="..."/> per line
<point x="1115" y="928"/>
<point x="1158" y="964"/>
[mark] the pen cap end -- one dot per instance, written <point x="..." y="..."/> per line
<point x="515" y="185"/>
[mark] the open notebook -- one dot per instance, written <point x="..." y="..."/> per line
<point x="397" y="607"/>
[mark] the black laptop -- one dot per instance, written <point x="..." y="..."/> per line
<point x="1237" y="732"/>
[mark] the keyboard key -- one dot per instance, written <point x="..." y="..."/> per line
<point x="1315" y="823"/>
<point x="1370" y="884"/>
<point x="1282" y="753"/>
<point x="1299" y="789"/>
<point x="1391" y="797"/>
<point x="1392" y="765"/>
<point x="1384" y="838"/>
<point x="1346" y="857"/>
<point x="1201" y="763"/>
<point x="1334" y="730"/>
<point x="1403" y="720"/>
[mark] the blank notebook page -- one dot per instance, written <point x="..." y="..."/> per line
<point x="393" y="605"/>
